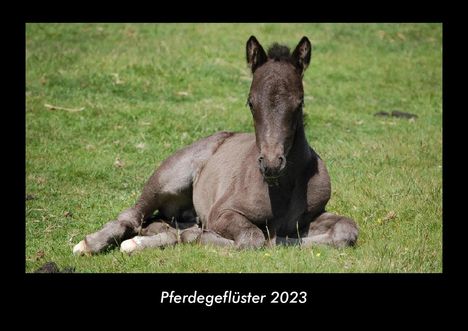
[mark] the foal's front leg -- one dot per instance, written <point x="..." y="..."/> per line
<point x="236" y="226"/>
<point x="160" y="235"/>
<point x="228" y="225"/>
<point x="172" y="236"/>
<point x="162" y="239"/>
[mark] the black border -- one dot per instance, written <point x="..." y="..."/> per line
<point x="408" y="290"/>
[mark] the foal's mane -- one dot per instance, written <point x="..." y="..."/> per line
<point x="279" y="52"/>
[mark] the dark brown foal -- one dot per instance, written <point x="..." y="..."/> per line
<point x="246" y="189"/>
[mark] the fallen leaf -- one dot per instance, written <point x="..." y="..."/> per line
<point x="391" y="215"/>
<point x="119" y="163"/>
<point x="39" y="255"/>
<point x="117" y="80"/>
<point x="70" y="240"/>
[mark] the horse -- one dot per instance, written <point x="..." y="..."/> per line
<point x="242" y="190"/>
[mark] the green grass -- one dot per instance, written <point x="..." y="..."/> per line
<point x="150" y="89"/>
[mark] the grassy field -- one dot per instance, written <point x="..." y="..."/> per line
<point x="150" y="89"/>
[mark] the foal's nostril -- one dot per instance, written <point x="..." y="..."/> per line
<point x="282" y="160"/>
<point x="260" y="163"/>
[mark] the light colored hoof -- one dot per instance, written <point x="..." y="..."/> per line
<point x="129" y="246"/>
<point x="81" y="248"/>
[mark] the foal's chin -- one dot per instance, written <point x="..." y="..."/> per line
<point x="273" y="180"/>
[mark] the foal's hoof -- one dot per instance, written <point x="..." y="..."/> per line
<point x="81" y="248"/>
<point x="129" y="246"/>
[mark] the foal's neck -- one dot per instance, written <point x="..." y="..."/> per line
<point x="298" y="157"/>
<point x="299" y="154"/>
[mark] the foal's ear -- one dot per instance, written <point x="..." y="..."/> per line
<point x="256" y="56"/>
<point x="301" y="55"/>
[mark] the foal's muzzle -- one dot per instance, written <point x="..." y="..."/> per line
<point x="271" y="167"/>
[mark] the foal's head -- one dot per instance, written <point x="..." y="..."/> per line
<point x="276" y="99"/>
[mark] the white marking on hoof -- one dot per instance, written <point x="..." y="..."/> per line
<point x="129" y="246"/>
<point x="81" y="248"/>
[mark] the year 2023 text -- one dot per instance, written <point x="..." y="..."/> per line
<point x="234" y="297"/>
